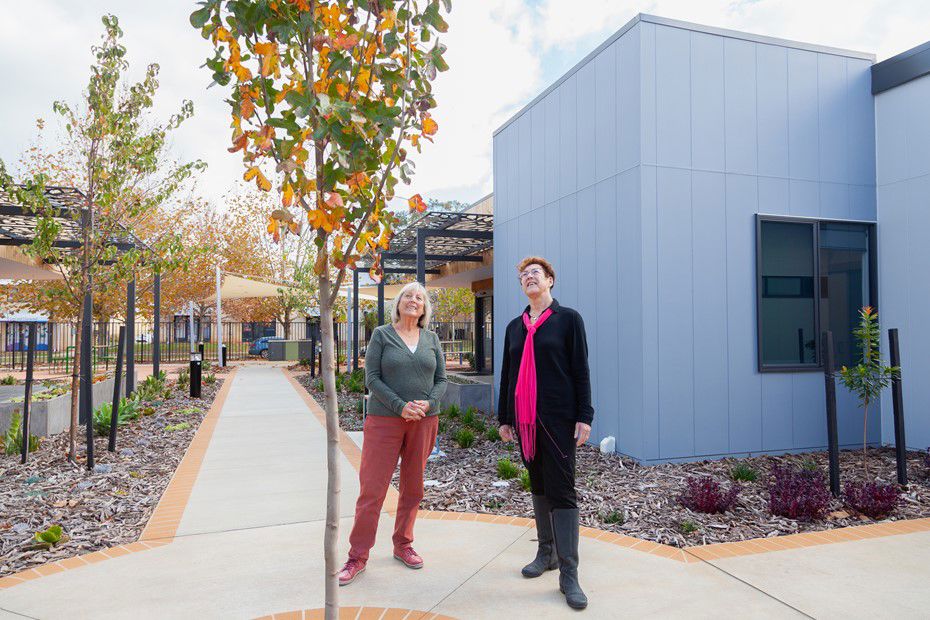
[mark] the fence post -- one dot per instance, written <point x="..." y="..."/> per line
<point x="830" y="385"/>
<point x="897" y="399"/>
<point x="30" y="363"/>
<point x="49" y="341"/>
<point x="118" y="378"/>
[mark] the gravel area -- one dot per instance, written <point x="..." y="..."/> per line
<point x="617" y="494"/>
<point x="107" y="507"/>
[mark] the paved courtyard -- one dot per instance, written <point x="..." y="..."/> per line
<point x="239" y="535"/>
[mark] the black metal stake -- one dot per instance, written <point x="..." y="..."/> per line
<point x="156" y="335"/>
<point x="131" y="337"/>
<point x="27" y="399"/>
<point x="86" y="384"/>
<point x="312" y="351"/>
<point x="114" y="414"/>
<point x="897" y="399"/>
<point x="830" y="385"/>
<point x="355" y="329"/>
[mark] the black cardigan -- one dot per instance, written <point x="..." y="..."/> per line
<point x="563" y="382"/>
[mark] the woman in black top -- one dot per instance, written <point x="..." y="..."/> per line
<point x="545" y="403"/>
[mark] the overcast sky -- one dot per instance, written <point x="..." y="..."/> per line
<point x="501" y="52"/>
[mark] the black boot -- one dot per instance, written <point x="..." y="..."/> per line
<point x="546" y="559"/>
<point x="565" y="529"/>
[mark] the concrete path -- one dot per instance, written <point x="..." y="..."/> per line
<point x="249" y="544"/>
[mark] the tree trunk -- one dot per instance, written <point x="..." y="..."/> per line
<point x="865" y="431"/>
<point x="75" y="392"/>
<point x="331" y="536"/>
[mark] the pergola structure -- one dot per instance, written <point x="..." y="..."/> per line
<point x="434" y="239"/>
<point x="68" y="207"/>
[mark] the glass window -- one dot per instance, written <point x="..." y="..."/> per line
<point x="844" y="284"/>
<point x="787" y="312"/>
<point x="813" y="277"/>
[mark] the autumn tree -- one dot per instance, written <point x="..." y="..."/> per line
<point x="125" y="176"/>
<point x="287" y="259"/>
<point x="328" y="98"/>
<point x="453" y="304"/>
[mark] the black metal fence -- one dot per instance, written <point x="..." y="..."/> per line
<point x="56" y="340"/>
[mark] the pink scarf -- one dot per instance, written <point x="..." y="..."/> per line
<point x="525" y="394"/>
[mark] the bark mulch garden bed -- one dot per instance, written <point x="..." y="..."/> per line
<point x="104" y="508"/>
<point x="617" y="494"/>
<point x="350" y="402"/>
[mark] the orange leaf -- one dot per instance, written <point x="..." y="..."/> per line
<point x="430" y="127"/>
<point x="416" y="203"/>
<point x="334" y="200"/>
<point x="247" y="109"/>
<point x="345" y="42"/>
<point x="239" y="143"/>
<point x="389" y="20"/>
<point x="287" y="196"/>
<point x="269" y="53"/>
<point x="358" y="181"/>
<point x="415" y="139"/>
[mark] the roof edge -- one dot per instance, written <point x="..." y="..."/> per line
<point x="900" y="69"/>
<point x="676" y="23"/>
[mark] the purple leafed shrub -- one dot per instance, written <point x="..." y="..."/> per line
<point x="705" y="495"/>
<point x="873" y="499"/>
<point x="798" y="493"/>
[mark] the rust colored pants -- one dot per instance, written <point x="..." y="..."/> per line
<point x="386" y="439"/>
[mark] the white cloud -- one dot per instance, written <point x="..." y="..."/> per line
<point x="496" y="51"/>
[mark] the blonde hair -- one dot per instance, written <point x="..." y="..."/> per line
<point x="427" y="304"/>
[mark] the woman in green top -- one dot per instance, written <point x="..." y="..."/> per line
<point x="406" y="375"/>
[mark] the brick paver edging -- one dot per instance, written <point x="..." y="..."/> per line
<point x="163" y="524"/>
<point x="700" y="553"/>
<point x="359" y="613"/>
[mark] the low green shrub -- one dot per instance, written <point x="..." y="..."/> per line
<point x="49" y="538"/>
<point x="525" y="480"/>
<point x="177" y="427"/>
<point x="190" y="410"/>
<point x="687" y="526"/>
<point x="12" y="440"/>
<point x="210" y="379"/>
<point x="184" y="380"/>
<point x="614" y="517"/>
<point x="8" y="380"/>
<point x="151" y="389"/>
<point x="743" y="472"/>
<point x="451" y="412"/>
<point x="128" y="410"/>
<point x="492" y="434"/>
<point x="464" y="438"/>
<point x="507" y="469"/>
<point x="493" y="504"/>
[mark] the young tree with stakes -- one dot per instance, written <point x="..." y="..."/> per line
<point x="870" y="376"/>
<point x="125" y="179"/>
<point x="329" y="95"/>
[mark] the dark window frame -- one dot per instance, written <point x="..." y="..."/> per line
<point x="815" y="222"/>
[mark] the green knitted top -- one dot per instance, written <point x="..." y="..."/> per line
<point x="395" y="375"/>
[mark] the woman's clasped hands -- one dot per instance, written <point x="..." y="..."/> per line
<point x="415" y="410"/>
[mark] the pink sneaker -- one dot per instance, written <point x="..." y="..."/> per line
<point x="350" y="571"/>
<point x="409" y="557"/>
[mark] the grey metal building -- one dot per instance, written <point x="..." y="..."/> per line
<point x="708" y="198"/>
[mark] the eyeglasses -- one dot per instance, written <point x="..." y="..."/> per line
<point x="536" y="272"/>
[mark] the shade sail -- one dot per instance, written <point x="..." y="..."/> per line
<point x="245" y="287"/>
